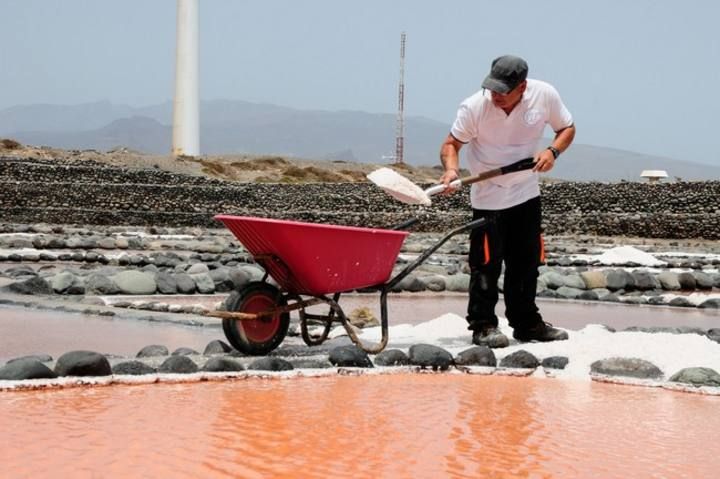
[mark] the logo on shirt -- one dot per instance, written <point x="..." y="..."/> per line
<point x="532" y="116"/>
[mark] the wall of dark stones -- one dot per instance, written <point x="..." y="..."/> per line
<point x="88" y="193"/>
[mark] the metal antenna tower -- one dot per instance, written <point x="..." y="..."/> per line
<point x="399" y="127"/>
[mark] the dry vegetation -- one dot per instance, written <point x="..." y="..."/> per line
<point x="8" y="144"/>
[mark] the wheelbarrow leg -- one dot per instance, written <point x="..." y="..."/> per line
<point x="350" y="329"/>
<point x="310" y="341"/>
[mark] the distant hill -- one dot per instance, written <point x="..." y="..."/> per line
<point x="231" y="127"/>
<point x="44" y="117"/>
<point x="592" y="163"/>
<point x="137" y="133"/>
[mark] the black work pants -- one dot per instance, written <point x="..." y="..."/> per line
<point x="512" y="235"/>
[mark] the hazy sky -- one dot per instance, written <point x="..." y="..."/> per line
<point x="640" y="75"/>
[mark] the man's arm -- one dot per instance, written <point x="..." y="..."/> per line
<point x="545" y="160"/>
<point x="449" y="155"/>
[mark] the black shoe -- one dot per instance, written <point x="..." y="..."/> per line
<point x="490" y="337"/>
<point x="540" y="332"/>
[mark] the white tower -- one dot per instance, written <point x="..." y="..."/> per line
<point x="186" y="123"/>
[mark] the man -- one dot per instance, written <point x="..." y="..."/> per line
<point x="503" y="123"/>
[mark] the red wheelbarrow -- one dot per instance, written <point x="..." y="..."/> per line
<point x="312" y="264"/>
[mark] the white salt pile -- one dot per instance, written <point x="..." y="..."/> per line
<point x="670" y="352"/>
<point x="628" y="254"/>
<point x="398" y="186"/>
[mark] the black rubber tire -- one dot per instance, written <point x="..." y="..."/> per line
<point x="256" y="337"/>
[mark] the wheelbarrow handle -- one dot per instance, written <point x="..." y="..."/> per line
<point x="428" y="252"/>
<point x="406" y="224"/>
<point x="472" y="225"/>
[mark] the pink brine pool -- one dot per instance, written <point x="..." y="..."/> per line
<point x="398" y="425"/>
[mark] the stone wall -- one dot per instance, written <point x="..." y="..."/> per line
<point x="661" y="210"/>
<point x="42" y="191"/>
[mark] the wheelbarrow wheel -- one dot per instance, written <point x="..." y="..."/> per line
<point x="256" y="336"/>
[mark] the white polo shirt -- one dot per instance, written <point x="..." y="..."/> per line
<point x="496" y="139"/>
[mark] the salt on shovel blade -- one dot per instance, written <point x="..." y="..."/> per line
<point x="399" y="187"/>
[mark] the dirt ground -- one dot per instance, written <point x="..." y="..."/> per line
<point x="242" y="168"/>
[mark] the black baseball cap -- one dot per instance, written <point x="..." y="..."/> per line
<point x="506" y="73"/>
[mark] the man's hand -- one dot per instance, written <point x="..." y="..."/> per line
<point x="544" y="161"/>
<point x="448" y="177"/>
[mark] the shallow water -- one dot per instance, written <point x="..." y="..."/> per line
<point x="418" y="308"/>
<point x="28" y="331"/>
<point x="415" y="308"/>
<point x="398" y="425"/>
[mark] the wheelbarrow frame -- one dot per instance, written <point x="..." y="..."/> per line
<point x="288" y="302"/>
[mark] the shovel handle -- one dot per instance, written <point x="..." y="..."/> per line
<point x="524" y="164"/>
<point x="434" y="190"/>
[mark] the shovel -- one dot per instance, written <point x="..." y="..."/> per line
<point x="400" y="188"/>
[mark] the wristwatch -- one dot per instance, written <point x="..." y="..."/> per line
<point x="555" y="151"/>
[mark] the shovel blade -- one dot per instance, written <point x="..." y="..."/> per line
<point x="399" y="187"/>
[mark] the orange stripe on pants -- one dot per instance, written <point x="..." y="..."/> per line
<point x="486" y="249"/>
